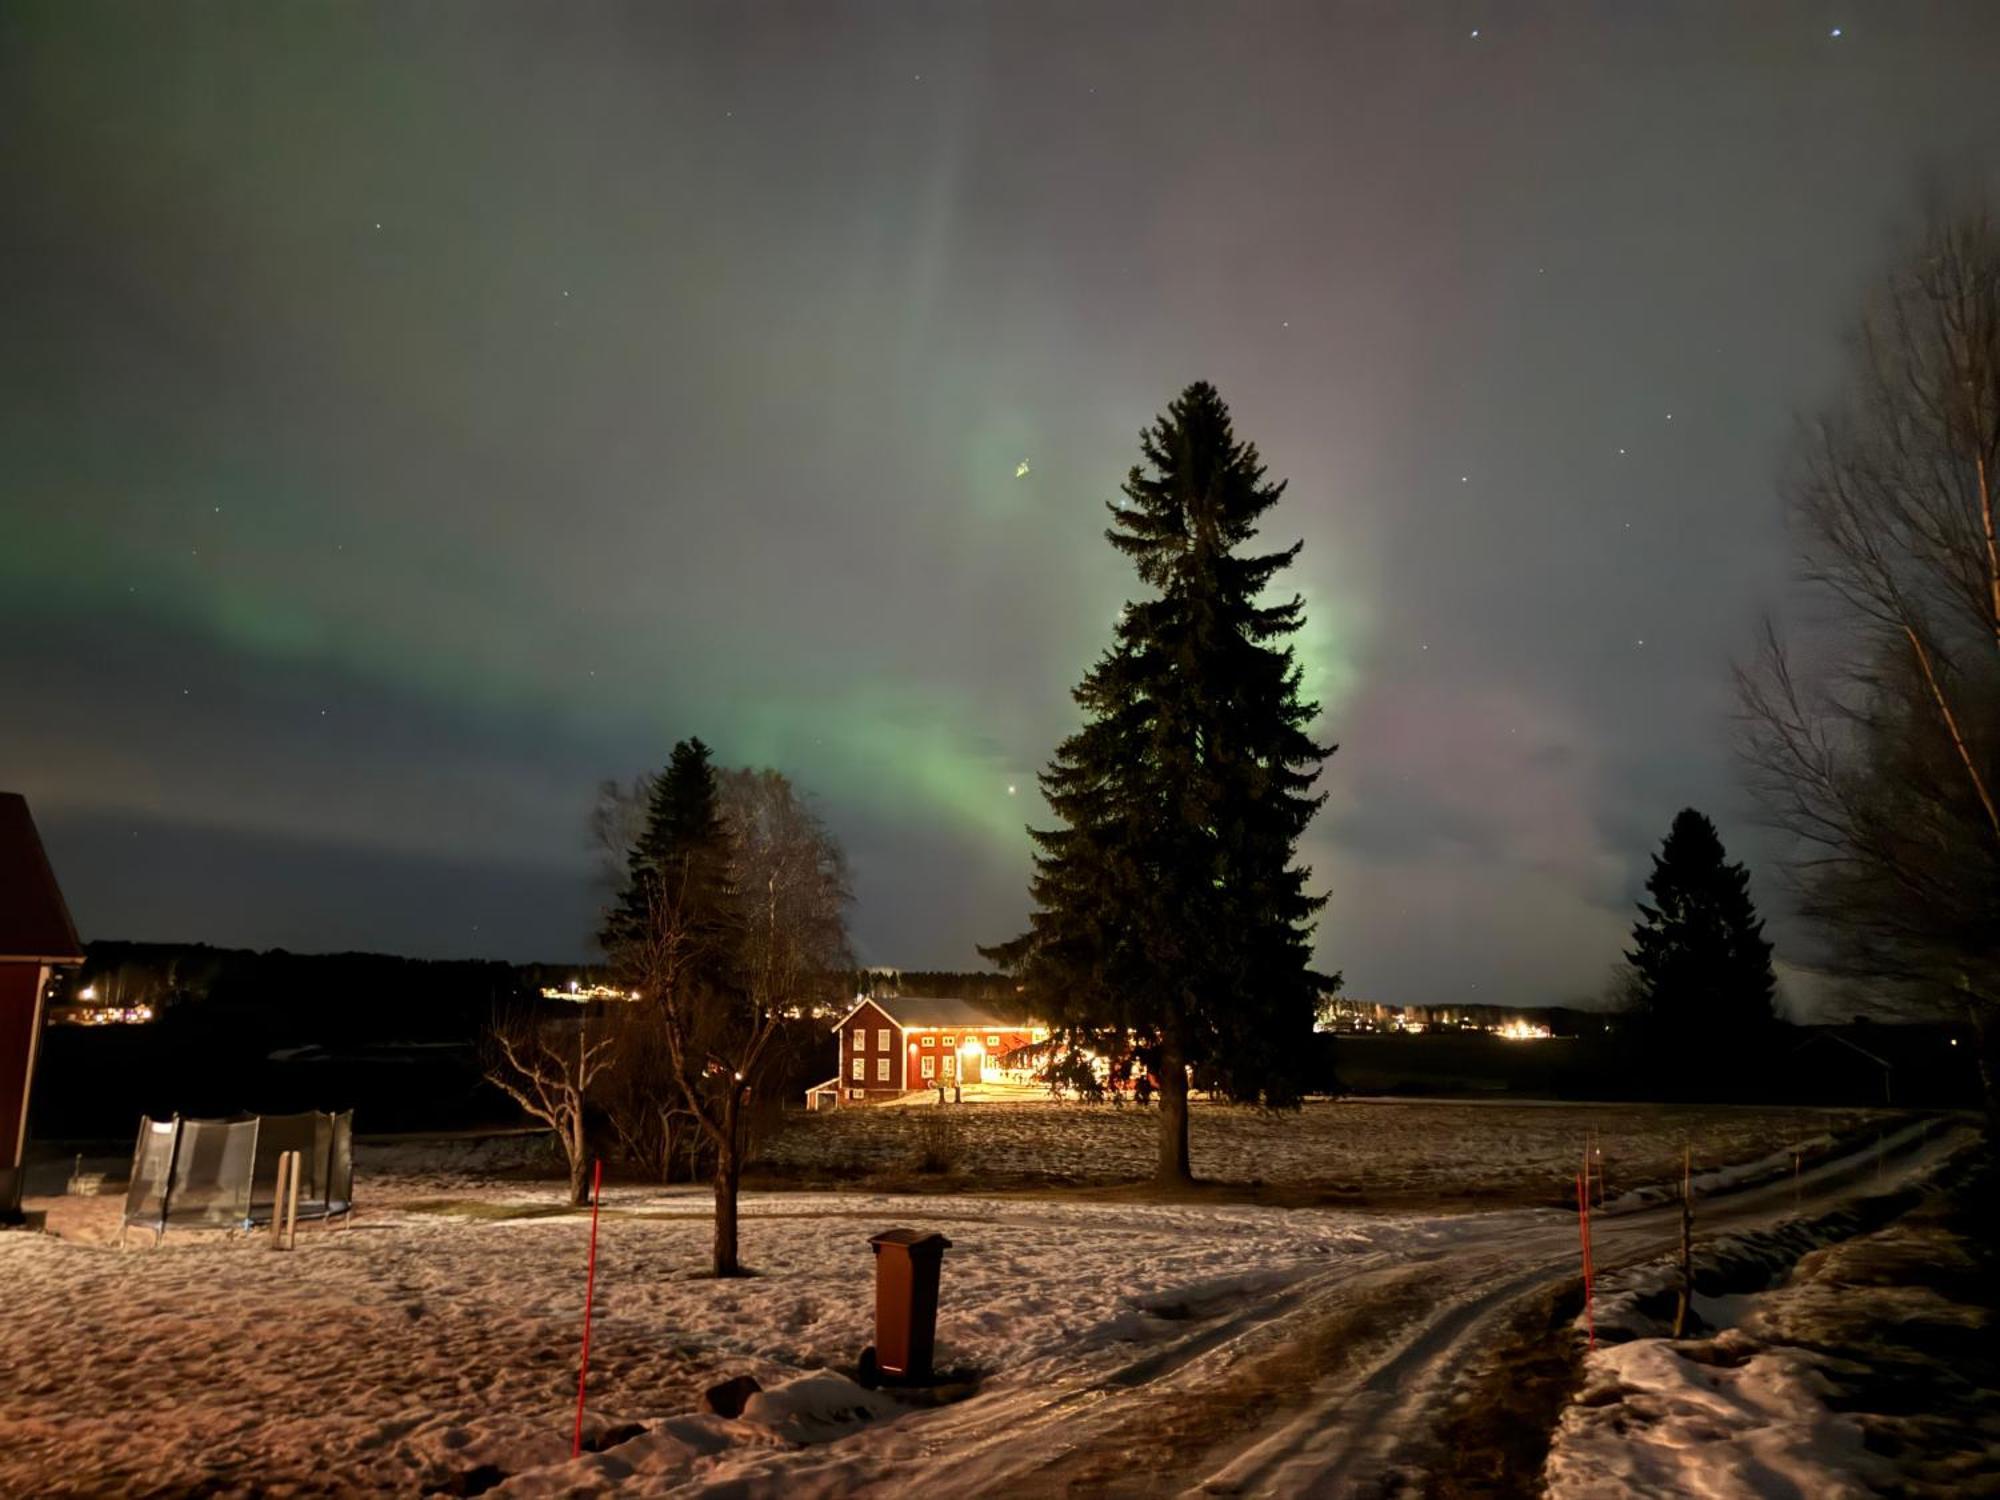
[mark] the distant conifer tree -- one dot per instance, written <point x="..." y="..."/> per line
<point x="1173" y="929"/>
<point x="1703" y="966"/>
<point x="683" y="836"/>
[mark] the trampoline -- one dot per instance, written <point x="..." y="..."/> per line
<point x="223" y="1174"/>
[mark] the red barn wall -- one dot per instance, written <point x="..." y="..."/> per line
<point x="860" y="1034"/>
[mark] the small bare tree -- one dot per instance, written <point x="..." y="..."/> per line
<point x="548" y="1067"/>
<point x="1878" y="749"/>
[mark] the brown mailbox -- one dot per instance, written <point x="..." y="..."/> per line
<point x="907" y="1262"/>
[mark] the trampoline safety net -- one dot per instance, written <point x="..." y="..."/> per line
<point x="223" y="1174"/>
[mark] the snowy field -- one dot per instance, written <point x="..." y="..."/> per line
<point x="1418" y="1153"/>
<point x="422" y="1346"/>
<point x="431" y="1346"/>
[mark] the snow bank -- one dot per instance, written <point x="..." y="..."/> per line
<point x="817" y="1408"/>
<point x="1872" y="1367"/>
<point x="1736" y="1421"/>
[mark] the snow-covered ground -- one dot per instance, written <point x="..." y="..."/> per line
<point x="423" y="1345"/>
<point x="432" y="1344"/>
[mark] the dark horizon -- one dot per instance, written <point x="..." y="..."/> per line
<point x="412" y="422"/>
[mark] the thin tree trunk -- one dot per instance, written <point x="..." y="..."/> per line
<point x="1174" y="1169"/>
<point x="1951" y="725"/>
<point x="579" y="1159"/>
<point x="728" y="1175"/>
<point x="1992" y="542"/>
<point x="667" y="1144"/>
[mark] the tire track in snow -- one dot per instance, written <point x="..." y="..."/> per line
<point x="1353" y="1436"/>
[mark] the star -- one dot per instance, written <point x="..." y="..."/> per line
<point x="1475" y="33"/>
<point x="1465" y="479"/>
<point x="1621" y="452"/>
<point x="1021" y="469"/>
<point x="1010" y="791"/>
<point x="1835" y="33"/>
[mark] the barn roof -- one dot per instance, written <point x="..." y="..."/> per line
<point x="923" y="1012"/>
<point x="34" y="922"/>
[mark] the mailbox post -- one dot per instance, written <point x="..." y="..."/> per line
<point x="907" y="1263"/>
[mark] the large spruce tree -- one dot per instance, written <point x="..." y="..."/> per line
<point x="1699" y="952"/>
<point x="1172" y="929"/>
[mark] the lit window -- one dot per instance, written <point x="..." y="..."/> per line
<point x="882" y="1040"/>
<point x="930" y="1041"/>
<point x="860" y="1041"/>
<point x="950" y="1041"/>
<point x="993" y="1041"/>
<point x="860" y="1069"/>
<point x="930" y="1067"/>
<point x="881" y="1070"/>
<point x="950" y="1065"/>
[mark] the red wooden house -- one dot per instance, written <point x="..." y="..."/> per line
<point x="892" y="1046"/>
<point x="36" y="935"/>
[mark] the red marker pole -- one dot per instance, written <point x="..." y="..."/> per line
<point x="1583" y="1236"/>
<point x="589" y="1288"/>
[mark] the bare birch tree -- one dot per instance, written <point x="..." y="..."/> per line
<point x="549" y="1067"/>
<point x="1876" y="746"/>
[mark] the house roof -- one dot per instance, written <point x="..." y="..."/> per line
<point x="922" y="1012"/>
<point x="34" y="922"/>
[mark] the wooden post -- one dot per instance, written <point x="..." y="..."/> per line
<point x="292" y="1202"/>
<point x="278" y="1201"/>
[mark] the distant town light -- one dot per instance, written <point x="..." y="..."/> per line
<point x="88" y="992"/>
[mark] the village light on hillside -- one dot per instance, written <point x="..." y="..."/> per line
<point x="1523" y="1031"/>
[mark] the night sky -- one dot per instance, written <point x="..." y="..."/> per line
<point x="411" y="415"/>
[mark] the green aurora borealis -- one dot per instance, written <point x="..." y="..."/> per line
<point x="411" y="415"/>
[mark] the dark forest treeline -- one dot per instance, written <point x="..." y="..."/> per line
<point x="282" y="997"/>
<point x="941" y="984"/>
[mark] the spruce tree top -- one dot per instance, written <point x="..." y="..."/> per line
<point x="1699" y="947"/>
<point x="684" y="844"/>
